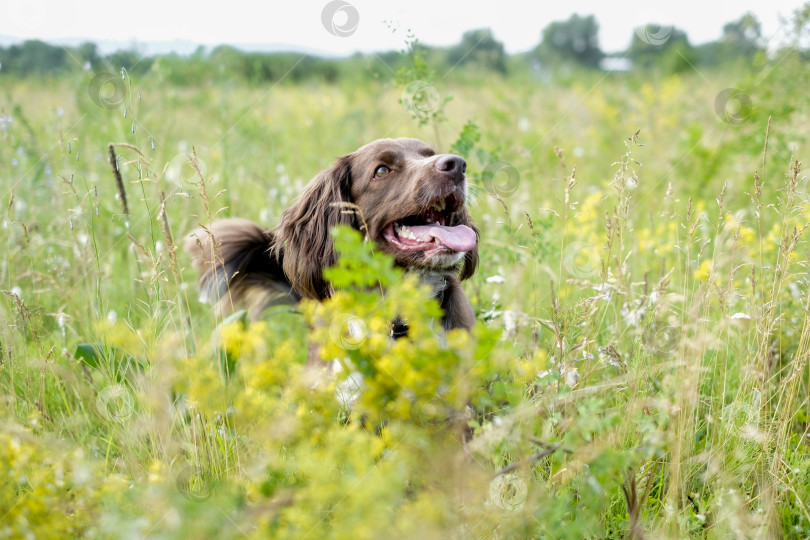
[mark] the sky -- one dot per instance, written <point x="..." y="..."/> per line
<point x="342" y="27"/>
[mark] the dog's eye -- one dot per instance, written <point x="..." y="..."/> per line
<point x="381" y="171"/>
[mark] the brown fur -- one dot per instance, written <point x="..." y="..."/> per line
<point x="241" y="263"/>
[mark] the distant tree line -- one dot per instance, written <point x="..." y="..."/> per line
<point x="564" y="44"/>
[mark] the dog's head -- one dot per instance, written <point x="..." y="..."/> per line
<point x="410" y="201"/>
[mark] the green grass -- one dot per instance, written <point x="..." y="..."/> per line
<point x="639" y="369"/>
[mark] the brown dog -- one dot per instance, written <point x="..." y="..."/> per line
<point x="406" y="198"/>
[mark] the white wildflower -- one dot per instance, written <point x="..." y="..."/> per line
<point x="523" y="124"/>
<point x="512" y="320"/>
<point x="633" y="316"/>
<point x="348" y="390"/>
<point x="605" y="291"/>
<point x="571" y="377"/>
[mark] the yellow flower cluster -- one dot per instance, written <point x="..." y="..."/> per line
<point x="238" y="339"/>
<point x="400" y="377"/>
<point x="45" y="493"/>
<point x="704" y="271"/>
<point x="118" y="334"/>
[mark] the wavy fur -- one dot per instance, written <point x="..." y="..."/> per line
<point x="242" y="264"/>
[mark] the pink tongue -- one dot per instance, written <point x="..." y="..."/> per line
<point x="458" y="238"/>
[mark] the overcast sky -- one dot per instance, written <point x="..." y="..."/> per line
<point x="364" y="25"/>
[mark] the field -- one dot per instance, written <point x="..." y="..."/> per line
<point x="639" y="369"/>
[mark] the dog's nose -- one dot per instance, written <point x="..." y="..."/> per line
<point x="452" y="165"/>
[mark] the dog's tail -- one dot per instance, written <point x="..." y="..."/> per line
<point x="237" y="269"/>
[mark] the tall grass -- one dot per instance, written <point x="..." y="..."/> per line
<point x="639" y="369"/>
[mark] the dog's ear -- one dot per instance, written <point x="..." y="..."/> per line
<point x="470" y="261"/>
<point x="303" y="241"/>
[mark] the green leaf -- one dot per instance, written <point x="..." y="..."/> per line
<point x="112" y="361"/>
<point x="240" y="316"/>
<point x="470" y="134"/>
<point x="359" y="265"/>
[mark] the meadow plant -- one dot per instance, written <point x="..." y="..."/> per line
<point x="638" y="369"/>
